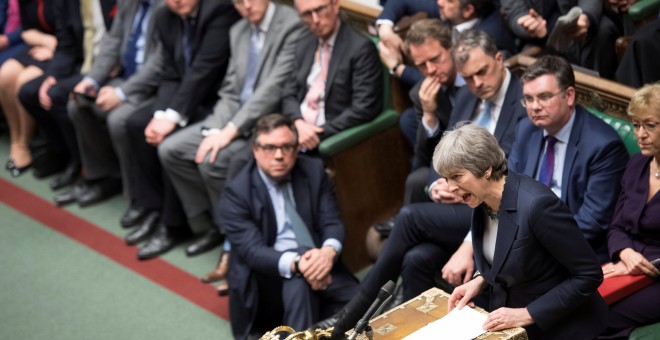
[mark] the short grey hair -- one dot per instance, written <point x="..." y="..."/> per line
<point x="469" y="40"/>
<point x="471" y="147"/>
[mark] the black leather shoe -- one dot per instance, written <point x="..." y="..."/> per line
<point x="384" y="228"/>
<point x="100" y="191"/>
<point x="71" y="195"/>
<point x="163" y="241"/>
<point x="211" y="239"/>
<point x="67" y="177"/>
<point x="133" y="216"/>
<point x="144" y="230"/>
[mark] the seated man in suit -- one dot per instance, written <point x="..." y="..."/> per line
<point x="193" y="40"/>
<point x="197" y="159"/>
<point x="281" y="217"/>
<point x="580" y="157"/>
<point x="426" y="234"/>
<point x="339" y="83"/>
<point x="124" y="50"/>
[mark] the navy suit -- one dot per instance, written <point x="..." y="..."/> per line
<point x="248" y="218"/>
<point x="541" y="262"/>
<point x="595" y="161"/>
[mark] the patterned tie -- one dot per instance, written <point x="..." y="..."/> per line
<point x="303" y="237"/>
<point x="485" y="114"/>
<point x="252" y="64"/>
<point x="88" y="34"/>
<point x="317" y="90"/>
<point x="130" y="64"/>
<point x="187" y="37"/>
<point x="548" y="165"/>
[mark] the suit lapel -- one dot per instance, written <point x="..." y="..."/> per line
<point x="535" y="149"/>
<point x="508" y="109"/>
<point x="261" y="196"/>
<point x="243" y="51"/>
<point x="337" y="56"/>
<point x="571" y="151"/>
<point x="507" y="227"/>
<point x="270" y="39"/>
<point x="302" y="196"/>
<point x="310" y="44"/>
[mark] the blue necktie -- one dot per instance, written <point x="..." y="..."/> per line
<point x="485" y="115"/>
<point x="252" y="64"/>
<point x="186" y="39"/>
<point x="548" y="165"/>
<point x="130" y="65"/>
<point x="303" y="237"/>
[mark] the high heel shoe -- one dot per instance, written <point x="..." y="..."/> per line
<point x="16" y="171"/>
<point x="220" y="271"/>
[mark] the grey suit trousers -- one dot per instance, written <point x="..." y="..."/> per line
<point x="198" y="185"/>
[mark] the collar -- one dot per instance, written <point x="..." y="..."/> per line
<point x="564" y="134"/>
<point x="498" y="99"/>
<point x="269" y="182"/>
<point x="267" y="20"/>
<point x="333" y="37"/>
<point x="467" y="25"/>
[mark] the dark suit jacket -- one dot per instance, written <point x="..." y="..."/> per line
<point x="595" y="161"/>
<point x="189" y="92"/>
<point x="354" y="84"/>
<point x="248" y="217"/>
<point x="636" y="221"/>
<point x="541" y="262"/>
<point x="69" y="54"/>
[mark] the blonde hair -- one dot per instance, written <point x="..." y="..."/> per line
<point x="645" y="100"/>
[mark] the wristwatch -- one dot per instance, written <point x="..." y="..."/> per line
<point x="394" y="68"/>
<point x="296" y="261"/>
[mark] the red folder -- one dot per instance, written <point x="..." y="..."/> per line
<point x="616" y="288"/>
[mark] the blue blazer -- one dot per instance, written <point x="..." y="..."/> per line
<point x="541" y="262"/>
<point x="595" y="161"/>
<point x="248" y="218"/>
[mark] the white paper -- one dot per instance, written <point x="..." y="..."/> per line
<point x="464" y="324"/>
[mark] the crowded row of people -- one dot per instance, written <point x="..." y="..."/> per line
<point x="169" y="101"/>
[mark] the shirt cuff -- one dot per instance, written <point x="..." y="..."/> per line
<point x="172" y="116"/>
<point x="334" y="243"/>
<point x="430" y="132"/>
<point x="120" y="94"/>
<point x="91" y="80"/>
<point x="468" y="237"/>
<point x="384" y="22"/>
<point x="284" y="264"/>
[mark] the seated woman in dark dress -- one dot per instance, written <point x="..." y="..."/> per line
<point x="634" y="236"/>
<point x="531" y="255"/>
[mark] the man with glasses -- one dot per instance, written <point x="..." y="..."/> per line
<point x="580" y="157"/>
<point x="280" y="214"/>
<point x="197" y="158"/>
<point x="339" y="82"/>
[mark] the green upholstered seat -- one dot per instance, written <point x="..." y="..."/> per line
<point x="650" y="332"/>
<point x="623" y="128"/>
<point x="644" y="9"/>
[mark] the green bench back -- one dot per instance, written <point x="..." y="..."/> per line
<point x="622" y="127"/>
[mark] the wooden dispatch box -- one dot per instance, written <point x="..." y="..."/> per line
<point x="416" y="313"/>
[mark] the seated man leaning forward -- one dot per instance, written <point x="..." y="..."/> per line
<point x="281" y="217"/>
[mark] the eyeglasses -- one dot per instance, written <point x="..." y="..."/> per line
<point x="543" y="98"/>
<point x="307" y="15"/>
<point x="271" y="149"/>
<point x="648" y="126"/>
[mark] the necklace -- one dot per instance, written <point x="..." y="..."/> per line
<point x="493" y="215"/>
<point x="657" y="171"/>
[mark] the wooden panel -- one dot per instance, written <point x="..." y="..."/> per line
<point x="604" y="95"/>
<point x="369" y="180"/>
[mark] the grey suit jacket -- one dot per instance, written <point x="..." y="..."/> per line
<point x="113" y="48"/>
<point x="276" y="64"/>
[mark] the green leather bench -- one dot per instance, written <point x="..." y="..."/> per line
<point x="368" y="165"/>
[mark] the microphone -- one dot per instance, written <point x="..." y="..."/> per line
<point x="384" y="294"/>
